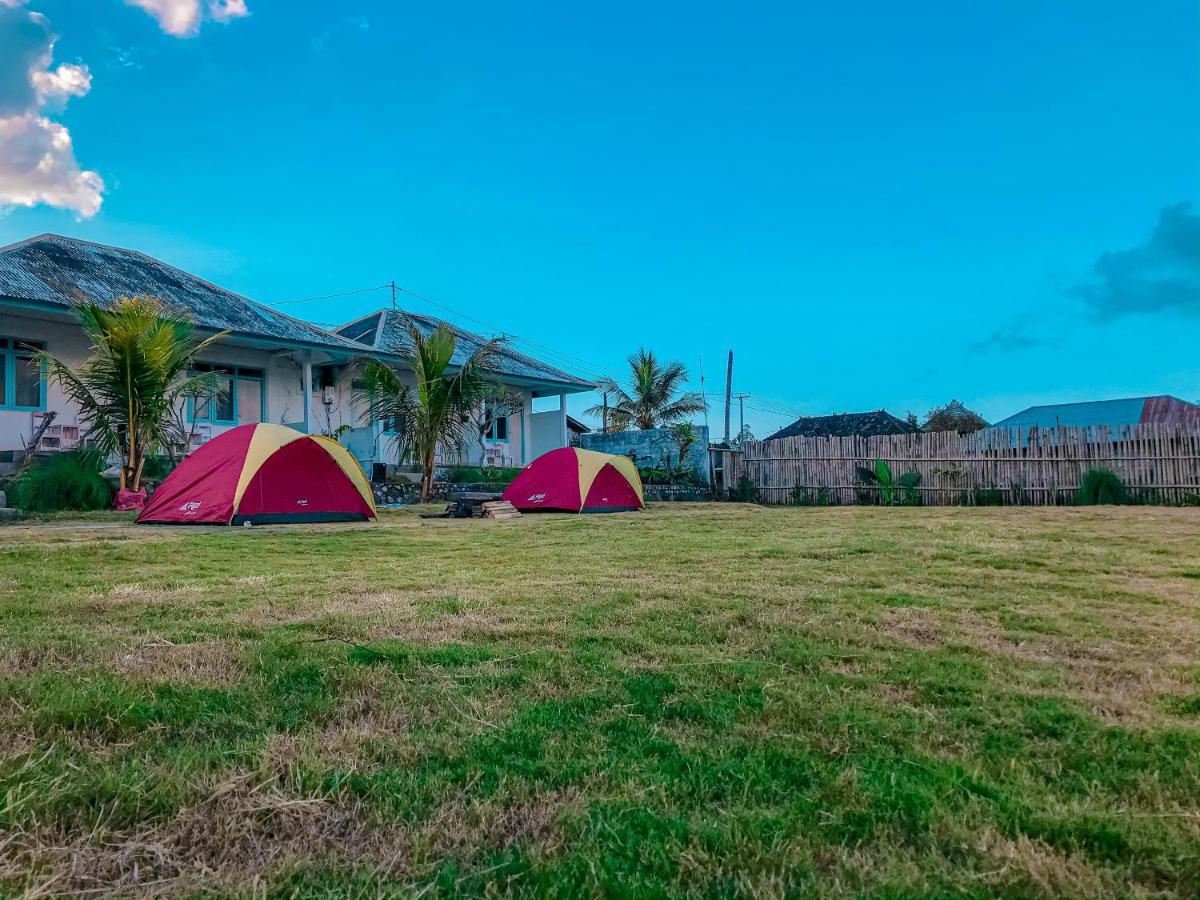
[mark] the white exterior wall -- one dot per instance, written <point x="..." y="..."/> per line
<point x="529" y="433"/>
<point x="283" y="396"/>
<point x="64" y="340"/>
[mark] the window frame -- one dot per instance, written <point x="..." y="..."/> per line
<point x="12" y="351"/>
<point x="491" y="436"/>
<point x="236" y="375"/>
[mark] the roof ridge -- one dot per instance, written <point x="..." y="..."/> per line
<point x="186" y="276"/>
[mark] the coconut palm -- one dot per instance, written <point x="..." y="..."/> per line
<point x="439" y="411"/>
<point x="653" y="402"/>
<point x="130" y="389"/>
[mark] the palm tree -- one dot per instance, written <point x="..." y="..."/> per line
<point x="653" y="402"/>
<point x="129" y="390"/>
<point x="440" y="410"/>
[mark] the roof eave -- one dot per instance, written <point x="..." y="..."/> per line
<point x="240" y="336"/>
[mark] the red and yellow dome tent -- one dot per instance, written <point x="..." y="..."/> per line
<point x="263" y="474"/>
<point x="573" y="480"/>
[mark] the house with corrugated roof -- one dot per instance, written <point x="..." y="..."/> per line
<point x="272" y="367"/>
<point x="1160" y="409"/>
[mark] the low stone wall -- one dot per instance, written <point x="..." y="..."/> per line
<point x="677" y="492"/>
<point x="388" y="494"/>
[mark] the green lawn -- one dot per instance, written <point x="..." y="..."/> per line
<point x="714" y="700"/>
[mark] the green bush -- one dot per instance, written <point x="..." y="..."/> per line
<point x="64" y="481"/>
<point x="480" y="474"/>
<point x="1101" y="486"/>
<point x="156" y="468"/>
<point x="988" y="497"/>
<point x="909" y="483"/>
<point x="745" y="492"/>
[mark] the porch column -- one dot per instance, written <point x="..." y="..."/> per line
<point x="306" y="369"/>
<point x="527" y="429"/>
<point x="563" y="440"/>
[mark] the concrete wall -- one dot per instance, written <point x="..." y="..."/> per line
<point x="650" y="446"/>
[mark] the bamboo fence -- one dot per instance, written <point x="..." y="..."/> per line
<point x="1159" y="463"/>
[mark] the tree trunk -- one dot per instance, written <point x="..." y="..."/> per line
<point x="426" y="475"/>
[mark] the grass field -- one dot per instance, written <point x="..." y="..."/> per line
<point x="714" y="700"/>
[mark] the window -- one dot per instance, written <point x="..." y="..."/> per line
<point x="498" y="430"/>
<point x="238" y="398"/>
<point x="21" y="383"/>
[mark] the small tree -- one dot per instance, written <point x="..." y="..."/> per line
<point x="742" y="438"/>
<point x="499" y="402"/>
<point x="439" y="411"/>
<point x="653" y="402"/>
<point x="954" y="417"/>
<point x="130" y="389"/>
<point x="683" y="435"/>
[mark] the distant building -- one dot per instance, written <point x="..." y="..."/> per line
<point x="1161" y="409"/>
<point x="576" y="430"/>
<point x="864" y="424"/>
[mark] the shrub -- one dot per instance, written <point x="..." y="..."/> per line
<point x="64" y="481"/>
<point x="909" y="482"/>
<point x="480" y="474"/>
<point x="1101" y="486"/>
<point x="988" y="497"/>
<point x="156" y="468"/>
<point x="745" y="492"/>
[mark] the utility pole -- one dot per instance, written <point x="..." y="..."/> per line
<point x="604" y="420"/>
<point x="703" y="395"/>
<point x="728" y="394"/>
<point x="741" y="399"/>
<point x="393" y="287"/>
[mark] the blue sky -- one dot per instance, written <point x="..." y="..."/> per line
<point x="873" y="204"/>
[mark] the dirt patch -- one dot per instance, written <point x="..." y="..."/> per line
<point x="242" y="831"/>
<point x="1117" y="679"/>
<point x="912" y="626"/>
<point x="206" y="662"/>
<point x="1047" y="871"/>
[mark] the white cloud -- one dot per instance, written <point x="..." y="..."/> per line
<point x="65" y="81"/>
<point x="225" y="10"/>
<point x="38" y="165"/>
<point x="37" y="159"/>
<point x="182" y="17"/>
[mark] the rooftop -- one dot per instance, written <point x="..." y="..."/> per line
<point x="1161" y="408"/>
<point x="386" y="330"/>
<point x="57" y="271"/>
<point x="864" y="424"/>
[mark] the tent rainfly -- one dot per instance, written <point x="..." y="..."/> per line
<point x="263" y="474"/>
<point x="573" y="480"/>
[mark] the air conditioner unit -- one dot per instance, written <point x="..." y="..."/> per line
<point x="327" y="395"/>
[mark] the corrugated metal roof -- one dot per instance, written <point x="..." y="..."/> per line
<point x="1160" y="408"/>
<point x="866" y="424"/>
<point x="61" y="271"/>
<point x="1126" y="411"/>
<point x="386" y="330"/>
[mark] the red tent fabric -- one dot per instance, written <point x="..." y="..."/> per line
<point x="573" y="480"/>
<point x="263" y="474"/>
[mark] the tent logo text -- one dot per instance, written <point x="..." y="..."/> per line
<point x="537" y="498"/>
<point x="190" y="507"/>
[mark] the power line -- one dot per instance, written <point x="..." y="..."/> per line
<point x="590" y="369"/>
<point x="365" y="290"/>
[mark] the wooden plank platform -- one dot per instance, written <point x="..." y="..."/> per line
<point x="501" y="509"/>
